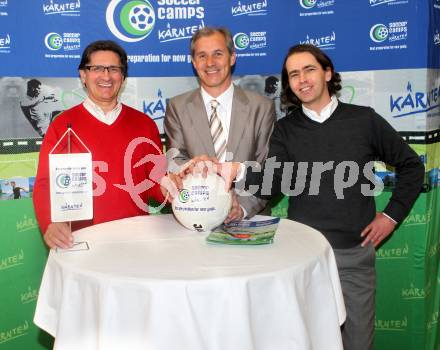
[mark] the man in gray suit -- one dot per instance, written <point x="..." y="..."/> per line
<point x="220" y="119"/>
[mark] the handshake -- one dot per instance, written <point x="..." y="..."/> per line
<point x="172" y="184"/>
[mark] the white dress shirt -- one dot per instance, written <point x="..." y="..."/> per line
<point x="224" y="109"/>
<point x="326" y="112"/>
<point x="108" y="118"/>
<point x="224" y="112"/>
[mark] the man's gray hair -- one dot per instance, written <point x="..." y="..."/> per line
<point x="208" y="31"/>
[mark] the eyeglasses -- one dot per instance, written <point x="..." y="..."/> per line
<point x="102" y="69"/>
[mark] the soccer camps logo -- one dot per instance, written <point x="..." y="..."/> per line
<point x="184" y="196"/>
<point x="241" y="41"/>
<point x="130" y="21"/>
<point x="255" y="40"/>
<point x="53" y="41"/>
<point x="63" y="180"/>
<point x="379" y="33"/>
<point x="307" y="4"/>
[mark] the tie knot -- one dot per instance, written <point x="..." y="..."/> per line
<point x="214" y="104"/>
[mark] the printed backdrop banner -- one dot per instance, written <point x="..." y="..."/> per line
<point x="408" y="303"/>
<point x="359" y="35"/>
<point x="409" y="99"/>
<point x="22" y="259"/>
<point x="387" y="50"/>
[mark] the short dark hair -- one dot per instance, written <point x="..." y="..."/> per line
<point x="104" y="45"/>
<point x="34" y="83"/>
<point x="31" y="86"/>
<point x="288" y="98"/>
<point x="270" y="86"/>
<point x="208" y="31"/>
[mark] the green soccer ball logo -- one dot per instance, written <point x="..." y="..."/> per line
<point x="379" y="33"/>
<point x="138" y="18"/>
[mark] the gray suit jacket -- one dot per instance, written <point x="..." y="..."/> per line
<point x="252" y="118"/>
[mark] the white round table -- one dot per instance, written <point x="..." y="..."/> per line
<point x="149" y="283"/>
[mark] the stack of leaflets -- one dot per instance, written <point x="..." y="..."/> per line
<point x="245" y="232"/>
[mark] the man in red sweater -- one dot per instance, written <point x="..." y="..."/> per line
<point x="124" y="143"/>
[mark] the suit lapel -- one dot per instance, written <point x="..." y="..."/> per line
<point x="239" y="119"/>
<point x="197" y="114"/>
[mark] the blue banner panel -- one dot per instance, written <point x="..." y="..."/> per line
<point x="46" y="38"/>
<point x="434" y="34"/>
<point x="51" y="34"/>
<point x="367" y="35"/>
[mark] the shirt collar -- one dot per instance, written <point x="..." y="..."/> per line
<point x="224" y="99"/>
<point x="326" y="112"/>
<point x="107" y="118"/>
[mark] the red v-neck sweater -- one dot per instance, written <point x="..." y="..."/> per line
<point x="108" y="145"/>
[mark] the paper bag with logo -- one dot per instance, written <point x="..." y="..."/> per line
<point x="70" y="177"/>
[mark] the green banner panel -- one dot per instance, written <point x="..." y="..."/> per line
<point x="408" y="287"/>
<point x="408" y="264"/>
<point x="22" y="259"/>
<point x="401" y="294"/>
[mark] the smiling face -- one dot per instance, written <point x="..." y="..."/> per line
<point x="103" y="88"/>
<point x="213" y="63"/>
<point x="308" y="80"/>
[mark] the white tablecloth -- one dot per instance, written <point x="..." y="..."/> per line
<point x="149" y="283"/>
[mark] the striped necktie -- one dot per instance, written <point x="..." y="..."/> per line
<point x="217" y="133"/>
